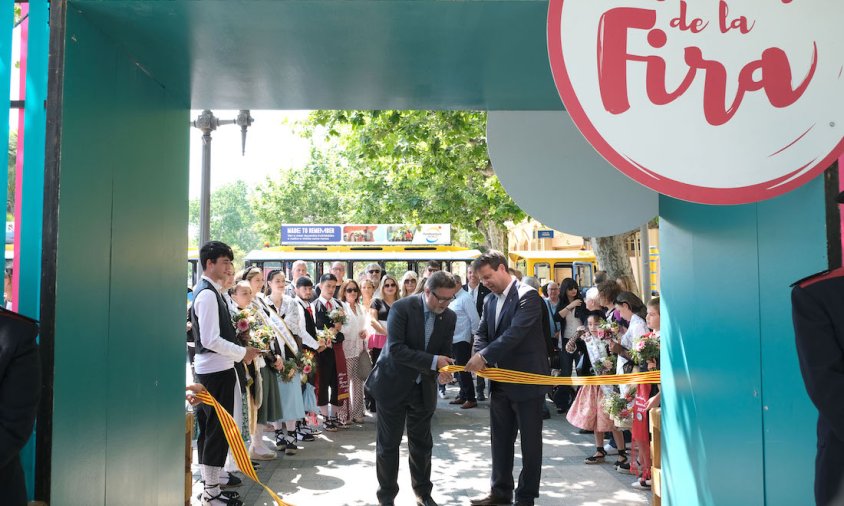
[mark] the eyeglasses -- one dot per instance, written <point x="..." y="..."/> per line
<point x="390" y="285"/>
<point x="374" y="271"/>
<point x="442" y="299"/>
<point x="351" y="290"/>
<point x="408" y="281"/>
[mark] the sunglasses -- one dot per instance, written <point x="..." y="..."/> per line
<point x="351" y="290"/>
<point x="408" y="281"/>
<point x="390" y="285"/>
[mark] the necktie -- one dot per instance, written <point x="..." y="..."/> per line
<point x="328" y="305"/>
<point x="429" y="327"/>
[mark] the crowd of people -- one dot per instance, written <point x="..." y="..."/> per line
<point x="288" y="357"/>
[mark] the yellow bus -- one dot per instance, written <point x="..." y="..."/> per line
<point x="395" y="260"/>
<point x="556" y="265"/>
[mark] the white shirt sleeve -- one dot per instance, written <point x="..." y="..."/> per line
<point x="205" y="305"/>
<point x="307" y="339"/>
<point x="471" y="309"/>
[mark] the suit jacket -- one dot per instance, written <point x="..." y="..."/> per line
<point x="482" y="293"/>
<point x="405" y="356"/>
<point x="518" y="341"/>
<point x="20" y="384"/>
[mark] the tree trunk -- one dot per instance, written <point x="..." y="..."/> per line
<point x="612" y="255"/>
<point x="495" y="235"/>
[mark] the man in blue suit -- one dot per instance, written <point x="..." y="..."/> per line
<point x="403" y="382"/>
<point x="511" y="336"/>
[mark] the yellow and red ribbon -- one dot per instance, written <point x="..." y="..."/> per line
<point x="526" y="378"/>
<point x="232" y="432"/>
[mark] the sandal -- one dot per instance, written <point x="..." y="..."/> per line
<point x="221" y="497"/>
<point x="622" y="465"/>
<point x="600" y="455"/>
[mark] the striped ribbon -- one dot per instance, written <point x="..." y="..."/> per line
<point x="526" y="378"/>
<point x="232" y="432"/>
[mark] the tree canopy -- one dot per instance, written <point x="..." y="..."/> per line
<point x="393" y="167"/>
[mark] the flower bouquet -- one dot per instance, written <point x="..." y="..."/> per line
<point x="645" y="348"/>
<point x="288" y="370"/>
<point x="244" y="321"/>
<point x="337" y="315"/>
<point x="607" y="330"/>
<point x="325" y="338"/>
<point x="306" y="362"/>
<point x="260" y="338"/>
<point x="605" y="366"/>
<point x="619" y="408"/>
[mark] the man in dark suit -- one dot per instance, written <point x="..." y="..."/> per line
<point x="403" y="383"/>
<point x="511" y="336"/>
<point x="818" y="316"/>
<point x="20" y="385"/>
<point x="478" y="292"/>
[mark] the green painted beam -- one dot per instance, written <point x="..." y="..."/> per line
<point x="365" y="54"/>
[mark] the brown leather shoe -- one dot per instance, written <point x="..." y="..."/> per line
<point x="457" y="400"/>
<point x="491" y="500"/>
<point x="469" y="405"/>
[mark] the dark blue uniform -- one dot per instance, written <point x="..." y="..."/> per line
<point x="818" y="314"/>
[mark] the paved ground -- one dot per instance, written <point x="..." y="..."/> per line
<point x="338" y="469"/>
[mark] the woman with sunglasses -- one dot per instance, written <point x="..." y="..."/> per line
<point x="408" y="284"/>
<point x="379" y="310"/>
<point x="355" y="331"/>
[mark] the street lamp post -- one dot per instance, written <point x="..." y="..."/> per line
<point x="207" y="122"/>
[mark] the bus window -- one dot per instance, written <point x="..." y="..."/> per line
<point x="459" y="268"/>
<point x="541" y="271"/>
<point x="521" y="265"/>
<point x="562" y="271"/>
<point x="583" y="274"/>
<point x="396" y="269"/>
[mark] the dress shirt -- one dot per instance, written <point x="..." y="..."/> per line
<point x="226" y="353"/>
<point x="428" y="314"/>
<point x="474" y="292"/>
<point x="307" y="339"/>
<point x="467" y="316"/>
<point x="501" y="299"/>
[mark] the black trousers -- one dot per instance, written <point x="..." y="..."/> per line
<point x="12" y="483"/>
<point x="389" y="430"/>
<point x="368" y="400"/>
<point x="327" y="371"/>
<point x="462" y="354"/>
<point x="564" y="395"/>
<point x="211" y="443"/>
<point x="829" y="471"/>
<point x="509" y="415"/>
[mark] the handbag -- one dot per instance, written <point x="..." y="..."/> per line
<point x="364" y="365"/>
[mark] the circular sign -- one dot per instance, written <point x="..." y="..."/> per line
<point x="722" y="102"/>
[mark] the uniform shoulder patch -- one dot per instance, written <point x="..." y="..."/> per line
<point x="819" y="276"/>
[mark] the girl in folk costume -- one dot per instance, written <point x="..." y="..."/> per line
<point x="278" y="310"/>
<point x="632" y="309"/>
<point x="269" y="407"/>
<point x="354" y="347"/>
<point x="646" y="353"/>
<point x="245" y="325"/>
<point x="586" y="411"/>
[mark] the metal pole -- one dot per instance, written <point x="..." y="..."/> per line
<point x="205" y="191"/>
<point x="644" y="242"/>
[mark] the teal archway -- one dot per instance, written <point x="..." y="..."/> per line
<point x="125" y="75"/>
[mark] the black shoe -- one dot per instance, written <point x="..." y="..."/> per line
<point x="233" y="481"/>
<point x="546" y="415"/>
<point x="329" y="426"/>
<point x="303" y="436"/>
<point x="481" y="396"/>
<point x="523" y="503"/>
<point x="425" y="501"/>
<point x="491" y="500"/>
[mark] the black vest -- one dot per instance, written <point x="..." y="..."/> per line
<point x="227" y="331"/>
<point x="321" y="319"/>
<point x="310" y="326"/>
